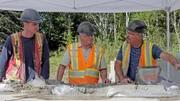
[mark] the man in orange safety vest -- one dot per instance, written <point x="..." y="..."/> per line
<point x="85" y="60"/>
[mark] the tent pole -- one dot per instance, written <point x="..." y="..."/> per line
<point x="127" y="20"/>
<point x="168" y="41"/>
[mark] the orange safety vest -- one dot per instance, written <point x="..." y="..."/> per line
<point x="81" y="71"/>
<point x="15" y="68"/>
<point x="146" y="58"/>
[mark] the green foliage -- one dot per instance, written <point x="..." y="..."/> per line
<point x="111" y="48"/>
<point x="53" y="29"/>
<point x="60" y="30"/>
<point x="9" y="23"/>
<point x="54" y="64"/>
<point x="55" y="60"/>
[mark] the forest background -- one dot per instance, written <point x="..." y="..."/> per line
<point x="60" y="30"/>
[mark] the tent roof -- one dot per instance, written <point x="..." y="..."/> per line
<point x="90" y="5"/>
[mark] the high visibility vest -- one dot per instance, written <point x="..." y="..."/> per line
<point x="146" y="58"/>
<point x="16" y="68"/>
<point x="81" y="71"/>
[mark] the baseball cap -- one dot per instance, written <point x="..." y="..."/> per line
<point x="137" y="26"/>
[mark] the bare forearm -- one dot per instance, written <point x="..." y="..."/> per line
<point x="118" y="70"/>
<point x="173" y="61"/>
<point x="103" y="74"/>
<point x="60" y="72"/>
<point x="170" y="58"/>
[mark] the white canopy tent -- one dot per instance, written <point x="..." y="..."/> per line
<point x="102" y="6"/>
<point x="90" y="5"/>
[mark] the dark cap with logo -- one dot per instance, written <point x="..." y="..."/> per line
<point x="137" y="26"/>
<point x="86" y="28"/>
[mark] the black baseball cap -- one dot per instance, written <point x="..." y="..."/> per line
<point x="137" y="26"/>
<point x="86" y="28"/>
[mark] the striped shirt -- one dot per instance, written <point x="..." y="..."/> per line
<point x="134" y="59"/>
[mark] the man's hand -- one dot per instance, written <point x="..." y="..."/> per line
<point x="106" y="81"/>
<point x="126" y="81"/>
<point x="177" y="66"/>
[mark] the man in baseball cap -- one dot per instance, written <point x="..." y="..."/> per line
<point x="25" y="54"/>
<point x="84" y="59"/>
<point x="136" y="52"/>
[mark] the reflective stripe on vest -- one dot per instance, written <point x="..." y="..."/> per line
<point x="146" y="58"/>
<point x="40" y="43"/>
<point x="82" y="73"/>
<point x="91" y="72"/>
<point x="126" y="57"/>
<point x="76" y="72"/>
<point x="38" y="51"/>
<point x="74" y="56"/>
<point x="15" y="49"/>
<point x="14" y="66"/>
<point x="97" y="60"/>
